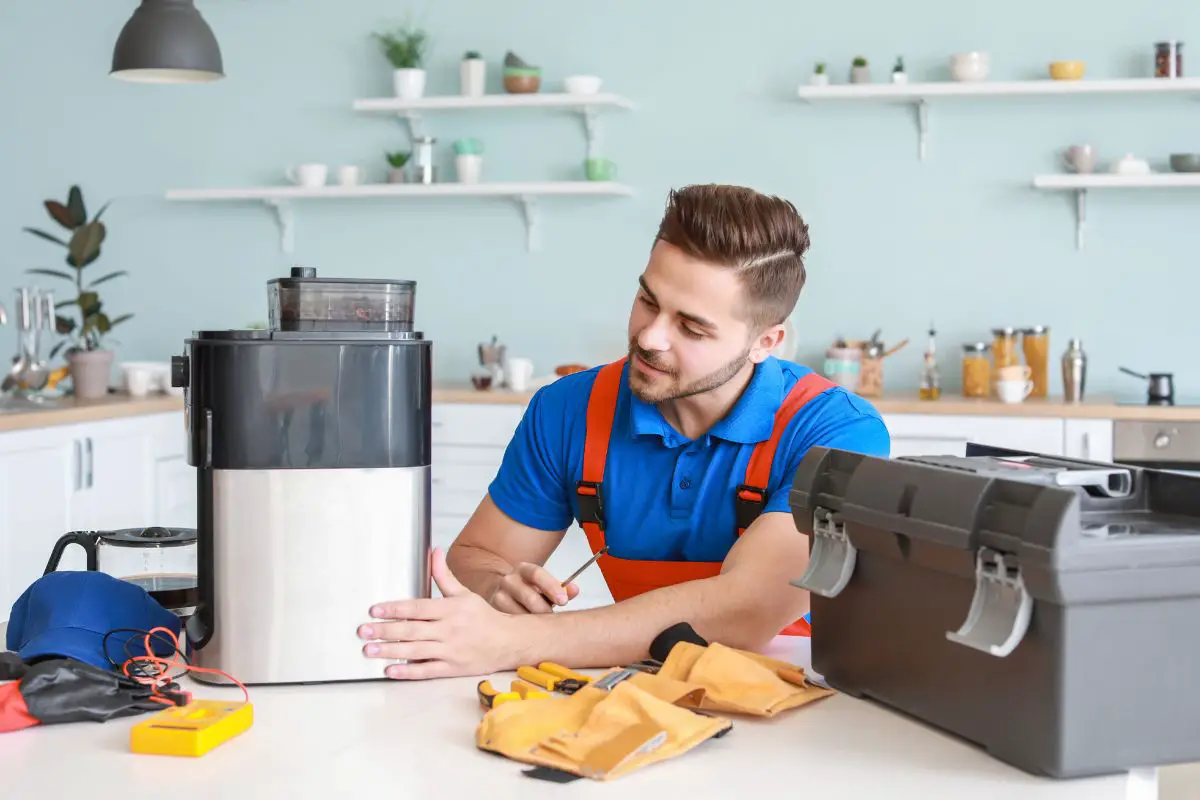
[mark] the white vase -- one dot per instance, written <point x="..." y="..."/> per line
<point x="473" y="76"/>
<point x="409" y="83"/>
<point x="820" y="79"/>
<point x="468" y="167"/>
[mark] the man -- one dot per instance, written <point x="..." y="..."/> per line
<point x="678" y="459"/>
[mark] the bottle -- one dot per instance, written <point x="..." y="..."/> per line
<point x="1074" y="371"/>
<point x="931" y="387"/>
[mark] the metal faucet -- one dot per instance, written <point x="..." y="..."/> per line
<point x="3" y="315"/>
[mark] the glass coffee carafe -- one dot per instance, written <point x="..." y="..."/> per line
<point x="160" y="560"/>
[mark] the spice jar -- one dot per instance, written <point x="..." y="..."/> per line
<point x="1004" y="348"/>
<point x="1035" y="342"/>
<point x="1168" y="60"/>
<point x="976" y="370"/>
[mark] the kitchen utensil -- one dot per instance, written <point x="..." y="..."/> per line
<point x="581" y="84"/>
<point x="1013" y="391"/>
<point x="1080" y="158"/>
<point x="1185" y="162"/>
<point x="160" y="560"/>
<point x="1074" y="371"/>
<point x="1168" y="59"/>
<point x="972" y="66"/>
<point x="517" y="373"/>
<point x="1066" y="70"/>
<point x="307" y="175"/>
<point x="1160" y="389"/>
<point x="1129" y="165"/>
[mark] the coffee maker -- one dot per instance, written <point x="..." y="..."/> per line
<point x="311" y="443"/>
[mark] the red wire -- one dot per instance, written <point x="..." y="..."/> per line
<point x="159" y="679"/>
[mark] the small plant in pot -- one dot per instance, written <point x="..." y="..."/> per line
<point x="405" y="50"/>
<point x="473" y="74"/>
<point x="86" y="325"/>
<point x="860" y="72"/>
<point x="397" y="161"/>
<point x="820" y="77"/>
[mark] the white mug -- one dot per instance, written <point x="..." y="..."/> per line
<point x="519" y="371"/>
<point x="349" y="175"/>
<point x="1013" y="391"/>
<point x="308" y="175"/>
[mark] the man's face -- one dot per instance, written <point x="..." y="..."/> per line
<point x="687" y="331"/>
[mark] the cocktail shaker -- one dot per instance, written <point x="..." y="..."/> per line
<point x="1074" y="371"/>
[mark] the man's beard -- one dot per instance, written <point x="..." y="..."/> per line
<point x="673" y="391"/>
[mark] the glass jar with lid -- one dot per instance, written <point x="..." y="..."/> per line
<point x="976" y="370"/>
<point x="1004" y="348"/>
<point x="1035" y="344"/>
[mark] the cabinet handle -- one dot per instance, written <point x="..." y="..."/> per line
<point x="1087" y="445"/>
<point x="90" y="482"/>
<point x="78" y="465"/>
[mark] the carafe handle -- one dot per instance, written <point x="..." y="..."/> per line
<point x="82" y="538"/>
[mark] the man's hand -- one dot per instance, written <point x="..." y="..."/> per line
<point x="525" y="591"/>
<point x="456" y="634"/>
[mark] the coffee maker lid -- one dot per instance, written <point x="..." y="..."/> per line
<point x="304" y="302"/>
<point x="153" y="536"/>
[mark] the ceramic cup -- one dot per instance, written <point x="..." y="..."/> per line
<point x="308" y="175"/>
<point x="1010" y="391"/>
<point x="349" y="175"/>
<point x="1016" y="372"/>
<point x="1080" y="158"/>
<point x="518" y="373"/>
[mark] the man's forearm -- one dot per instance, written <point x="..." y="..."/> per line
<point x="477" y="569"/>
<point x="727" y="609"/>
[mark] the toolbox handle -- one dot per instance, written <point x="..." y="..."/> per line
<point x="831" y="563"/>
<point x="1000" y="608"/>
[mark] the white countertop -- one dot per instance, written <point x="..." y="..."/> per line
<point x="412" y="740"/>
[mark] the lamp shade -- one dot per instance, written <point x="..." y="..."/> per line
<point x="167" y="41"/>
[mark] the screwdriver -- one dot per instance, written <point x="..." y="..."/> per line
<point x="586" y="564"/>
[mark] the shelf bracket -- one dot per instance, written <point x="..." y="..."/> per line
<point x="412" y="121"/>
<point x="922" y="129"/>
<point x="529" y="212"/>
<point x="1080" y="216"/>
<point x="591" y="129"/>
<point x="285" y="219"/>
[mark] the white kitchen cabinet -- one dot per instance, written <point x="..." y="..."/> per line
<point x="88" y="476"/>
<point x="933" y="434"/>
<point x="1090" y="439"/>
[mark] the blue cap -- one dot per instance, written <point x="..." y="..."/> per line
<point x="67" y="615"/>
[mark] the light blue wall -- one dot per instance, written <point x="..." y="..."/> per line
<point x="959" y="238"/>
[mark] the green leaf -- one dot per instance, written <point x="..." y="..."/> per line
<point x="124" y="317"/>
<point x="54" y="273"/>
<point x="89" y="303"/>
<point x="85" y="244"/>
<point x="64" y="325"/>
<point x="103" y="323"/>
<point x="108" y="277"/>
<point x="59" y="213"/>
<point x="54" y="350"/>
<point x="76" y="207"/>
<point x="48" y="237"/>
<point x="65" y="303"/>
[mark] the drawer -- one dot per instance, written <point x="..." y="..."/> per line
<point x="475" y="423"/>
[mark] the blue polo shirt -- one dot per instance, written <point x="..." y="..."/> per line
<point x="667" y="497"/>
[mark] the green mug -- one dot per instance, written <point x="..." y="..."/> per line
<point x="600" y="169"/>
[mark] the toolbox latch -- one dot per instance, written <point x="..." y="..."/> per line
<point x="833" y="557"/>
<point x="1001" y="608"/>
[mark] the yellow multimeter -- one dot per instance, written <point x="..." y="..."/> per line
<point x="191" y="730"/>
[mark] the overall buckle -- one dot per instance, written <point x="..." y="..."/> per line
<point x="750" y="502"/>
<point x="591" y="502"/>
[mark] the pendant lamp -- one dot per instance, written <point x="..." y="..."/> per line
<point x="167" y="41"/>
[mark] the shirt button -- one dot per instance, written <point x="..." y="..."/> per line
<point x="685" y="484"/>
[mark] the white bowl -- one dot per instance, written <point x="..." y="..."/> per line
<point x="972" y="66"/>
<point x="581" y="84"/>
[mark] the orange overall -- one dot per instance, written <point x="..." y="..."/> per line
<point x="627" y="578"/>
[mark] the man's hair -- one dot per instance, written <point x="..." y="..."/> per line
<point x="761" y="237"/>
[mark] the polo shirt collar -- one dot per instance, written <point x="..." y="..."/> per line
<point x="749" y="421"/>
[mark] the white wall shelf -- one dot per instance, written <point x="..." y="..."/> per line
<point x="280" y="198"/>
<point x="919" y="95"/>
<point x="412" y="112"/>
<point x="1082" y="183"/>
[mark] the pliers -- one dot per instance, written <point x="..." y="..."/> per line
<point x="554" y="677"/>
<point x="489" y="697"/>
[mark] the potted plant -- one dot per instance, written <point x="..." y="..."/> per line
<point x="472" y="74"/>
<point x="468" y="160"/>
<point x="820" y="77"/>
<point x="397" y="160"/>
<point x="405" y="49"/>
<point x="898" y="73"/>
<point x="89" y="362"/>
<point x="860" y="72"/>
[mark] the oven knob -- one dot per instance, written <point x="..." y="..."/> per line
<point x="1162" y="440"/>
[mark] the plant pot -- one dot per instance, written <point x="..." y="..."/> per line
<point x="472" y="73"/>
<point x="468" y="166"/>
<point x="522" y="80"/>
<point x="397" y="175"/>
<point x="820" y="79"/>
<point x="90" y="372"/>
<point x="860" y="74"/>
<point x="409" y="83"/>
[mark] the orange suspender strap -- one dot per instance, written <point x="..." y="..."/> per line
<point x="752" y="495"/>
<point x="602" y="406"/>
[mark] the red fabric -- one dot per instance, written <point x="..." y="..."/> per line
<point x="628" y="578"/>
<point x="14" y="714"/>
